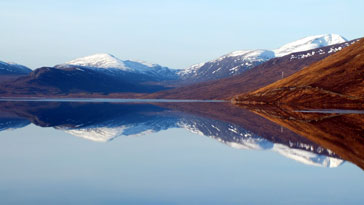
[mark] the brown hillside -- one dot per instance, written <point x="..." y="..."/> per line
<point x="338" y="79"/>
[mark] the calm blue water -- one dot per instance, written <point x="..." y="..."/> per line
<point x="108" y="100"/>
<point x="107" y="153"/>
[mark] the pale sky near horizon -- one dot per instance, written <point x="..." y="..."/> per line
<point x="176" y="34"/>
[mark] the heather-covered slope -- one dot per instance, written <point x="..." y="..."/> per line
<point x="338" y="79"/>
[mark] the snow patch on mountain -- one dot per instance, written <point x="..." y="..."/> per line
<point x="308" y="43"/>
<point x="101" y="60"/>
<point x="191" y="70"/>
<point x="252" y="54"/>
<point x="147" y="64"/>
<point x="332" y="49"/>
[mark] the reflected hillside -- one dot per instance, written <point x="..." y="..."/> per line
<point x="11" y="121"/>
<point x="226" y="123"/>
<point x="93" y="121"/>
<point x="341" y="132"/>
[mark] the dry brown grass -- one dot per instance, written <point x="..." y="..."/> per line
<point x="338" y="78"/>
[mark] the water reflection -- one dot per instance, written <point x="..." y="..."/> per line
<point x="228" y="124"/>
<point x="340" y="131"/>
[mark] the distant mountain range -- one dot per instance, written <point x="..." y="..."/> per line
<point x="100" y="73"/>
<point x="231" y="74"/>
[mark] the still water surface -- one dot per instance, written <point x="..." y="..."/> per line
<point x="169" y="153"/>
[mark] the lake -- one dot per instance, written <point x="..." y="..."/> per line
<point x="100" y="151"/>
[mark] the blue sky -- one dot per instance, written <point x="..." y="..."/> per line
<point x="172" y="33"/>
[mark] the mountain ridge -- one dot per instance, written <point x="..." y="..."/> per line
<point x="260" y="76"/>
<point x="237" y="62"/>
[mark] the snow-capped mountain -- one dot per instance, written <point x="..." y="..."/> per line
<point x="309" y="43"/>
<point x="239" y="61"/>
<point x="322" y="51"/>
<point x="100" y="73"/>
<point x="111" y="64"/>
<point x="102" y="60"/>
<point x="13" y="69"/>
<point x="228" y="65"/>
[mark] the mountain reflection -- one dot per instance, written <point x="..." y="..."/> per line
<point x="226" y="123"/>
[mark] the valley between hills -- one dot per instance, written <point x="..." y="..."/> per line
<point x="316" y="71"/>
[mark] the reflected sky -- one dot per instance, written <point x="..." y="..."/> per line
<point x="161" y="155"/>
